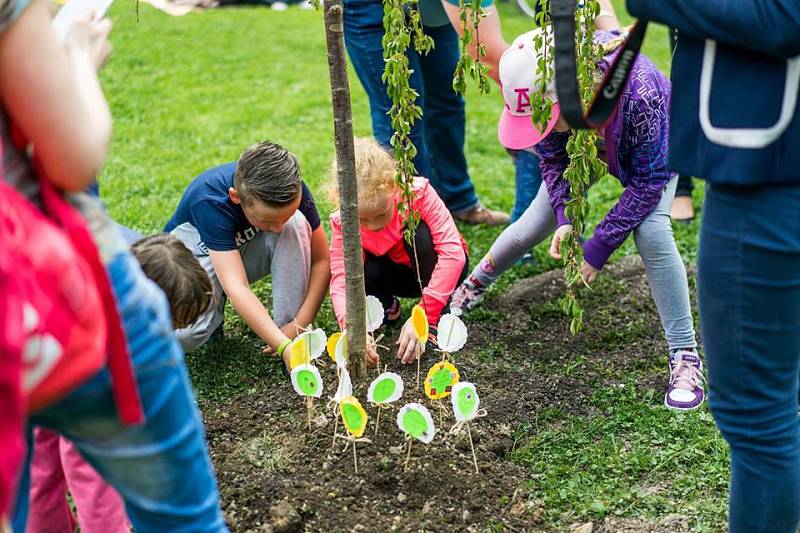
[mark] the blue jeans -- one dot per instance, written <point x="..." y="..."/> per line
<point x="528" y="178"/>
<point x="162" y="468"/>
<point x="439" y="137"/>
<point x="749" y="295"/>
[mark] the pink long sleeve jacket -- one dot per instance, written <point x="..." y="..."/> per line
<point x="447" y="241"/>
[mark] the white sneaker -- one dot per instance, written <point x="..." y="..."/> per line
<point x="467" y="296"/>
<point x="279" y="6"/>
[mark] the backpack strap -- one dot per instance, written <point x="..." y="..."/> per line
<point x="125" y="390"/>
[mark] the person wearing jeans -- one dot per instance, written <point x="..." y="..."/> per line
<point x="736" y="76"/>
<point x="162" y="468"/>
<point x="439" y="136"/>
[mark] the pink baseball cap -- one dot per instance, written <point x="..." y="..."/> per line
<point x="518" y="77"/>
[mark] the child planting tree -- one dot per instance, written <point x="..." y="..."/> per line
<point x="247" y="220"/>
<point x="635" y="142"/>
<point x="430" y="266"/>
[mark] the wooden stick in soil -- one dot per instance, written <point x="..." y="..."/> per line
<point x="335" y="426"/>
<point x="472" y="447"/>
<point x="355" y="300"/>
<point x="355" y="457"/>
<point x="408" y="455"/>
<point x="419" y="359"/>
<point x="378" y="419"/>
<point x="309" y="407"/>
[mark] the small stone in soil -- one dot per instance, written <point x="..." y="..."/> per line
<point x="585" y="528"/>
<point x="402" y="498"/>
<point x="285" y="518"/>
<point x="518" y="508"/>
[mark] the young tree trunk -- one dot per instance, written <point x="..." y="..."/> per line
<point x="348" y="189"/>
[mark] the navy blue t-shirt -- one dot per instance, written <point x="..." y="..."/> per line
<point x="206" y="206"/>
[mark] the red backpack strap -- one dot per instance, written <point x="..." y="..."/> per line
<point x="12" y="401"/>
<point x="126" y="393"/>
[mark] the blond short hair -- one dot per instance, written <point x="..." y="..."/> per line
<point x="375" y="172"/>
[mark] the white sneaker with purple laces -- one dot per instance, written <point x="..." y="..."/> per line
<point x="686" y="380"/>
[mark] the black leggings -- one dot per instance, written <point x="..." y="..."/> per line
<point x="386" y="279"/>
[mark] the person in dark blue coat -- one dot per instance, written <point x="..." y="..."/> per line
<point x="735" y="121"/>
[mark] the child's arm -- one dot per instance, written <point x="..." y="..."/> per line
<point x="51" y="92"/>
<point x="649" y="176"/>
<point x="449" y="248"/>
<point x="489" y="31"/>
<point x="451" y="259"/>
<point x="230" y="271"/>
<point x="337" y="284"/>
<point x="317" y="283"/>
<point x="607" y="18"/>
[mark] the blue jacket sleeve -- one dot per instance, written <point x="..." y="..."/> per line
<point x="768" y="26"/>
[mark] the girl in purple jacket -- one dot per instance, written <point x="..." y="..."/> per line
<point x="635" y="143"/>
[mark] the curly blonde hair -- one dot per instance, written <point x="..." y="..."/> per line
<point x="375" y="172"/>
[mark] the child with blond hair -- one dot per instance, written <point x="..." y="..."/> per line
<point x="390" y="262"/>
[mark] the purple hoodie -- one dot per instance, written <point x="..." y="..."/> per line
<point x="636" y="143"/>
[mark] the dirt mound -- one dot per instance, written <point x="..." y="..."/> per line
<point x="275" y="475"/>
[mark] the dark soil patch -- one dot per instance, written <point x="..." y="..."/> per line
<point x="275" y="475"/>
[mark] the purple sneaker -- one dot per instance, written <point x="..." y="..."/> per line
<point x="466" y="296"/>
<point x="685" y="391"/>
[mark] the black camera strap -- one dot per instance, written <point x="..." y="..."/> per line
<point x="613" y="85"/>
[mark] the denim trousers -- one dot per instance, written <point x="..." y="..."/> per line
<point x="161" y="468"/>
<point x="749" y="299"/>
<point x="439" y="136"/>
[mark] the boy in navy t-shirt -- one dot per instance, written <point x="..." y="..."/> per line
<point x="244" y="221"/>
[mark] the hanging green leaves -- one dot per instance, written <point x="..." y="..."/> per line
<point x="584" y="168"/>
<point x="402" y="25"/>
<point x="467" y="66"/>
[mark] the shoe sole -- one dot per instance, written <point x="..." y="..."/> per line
<point x="675" y="408"/>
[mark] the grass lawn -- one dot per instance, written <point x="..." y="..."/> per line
<point x="189" y="93"/>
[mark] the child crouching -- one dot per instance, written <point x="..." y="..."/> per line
<point x="390" y="265"/>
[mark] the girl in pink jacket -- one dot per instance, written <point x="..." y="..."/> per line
<point x="389" y="266"/>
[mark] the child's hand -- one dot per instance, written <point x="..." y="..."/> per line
<point x="408" y="345"/>
<point x="588" y="273"/>
<point x="558" y="236"/>
<point x="287" y="355"/>
<point x="372" y="357"/>
<point x="86" y="37"/>
<point x="291" y="330"/>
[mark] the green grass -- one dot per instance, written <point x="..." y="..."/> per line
<point x="191" y="92"/>
<point x="634" y="458"/>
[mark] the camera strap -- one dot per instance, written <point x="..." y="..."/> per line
<point x="613" y="84"/>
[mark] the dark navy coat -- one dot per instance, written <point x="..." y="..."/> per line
<point x="735" y="117"/>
